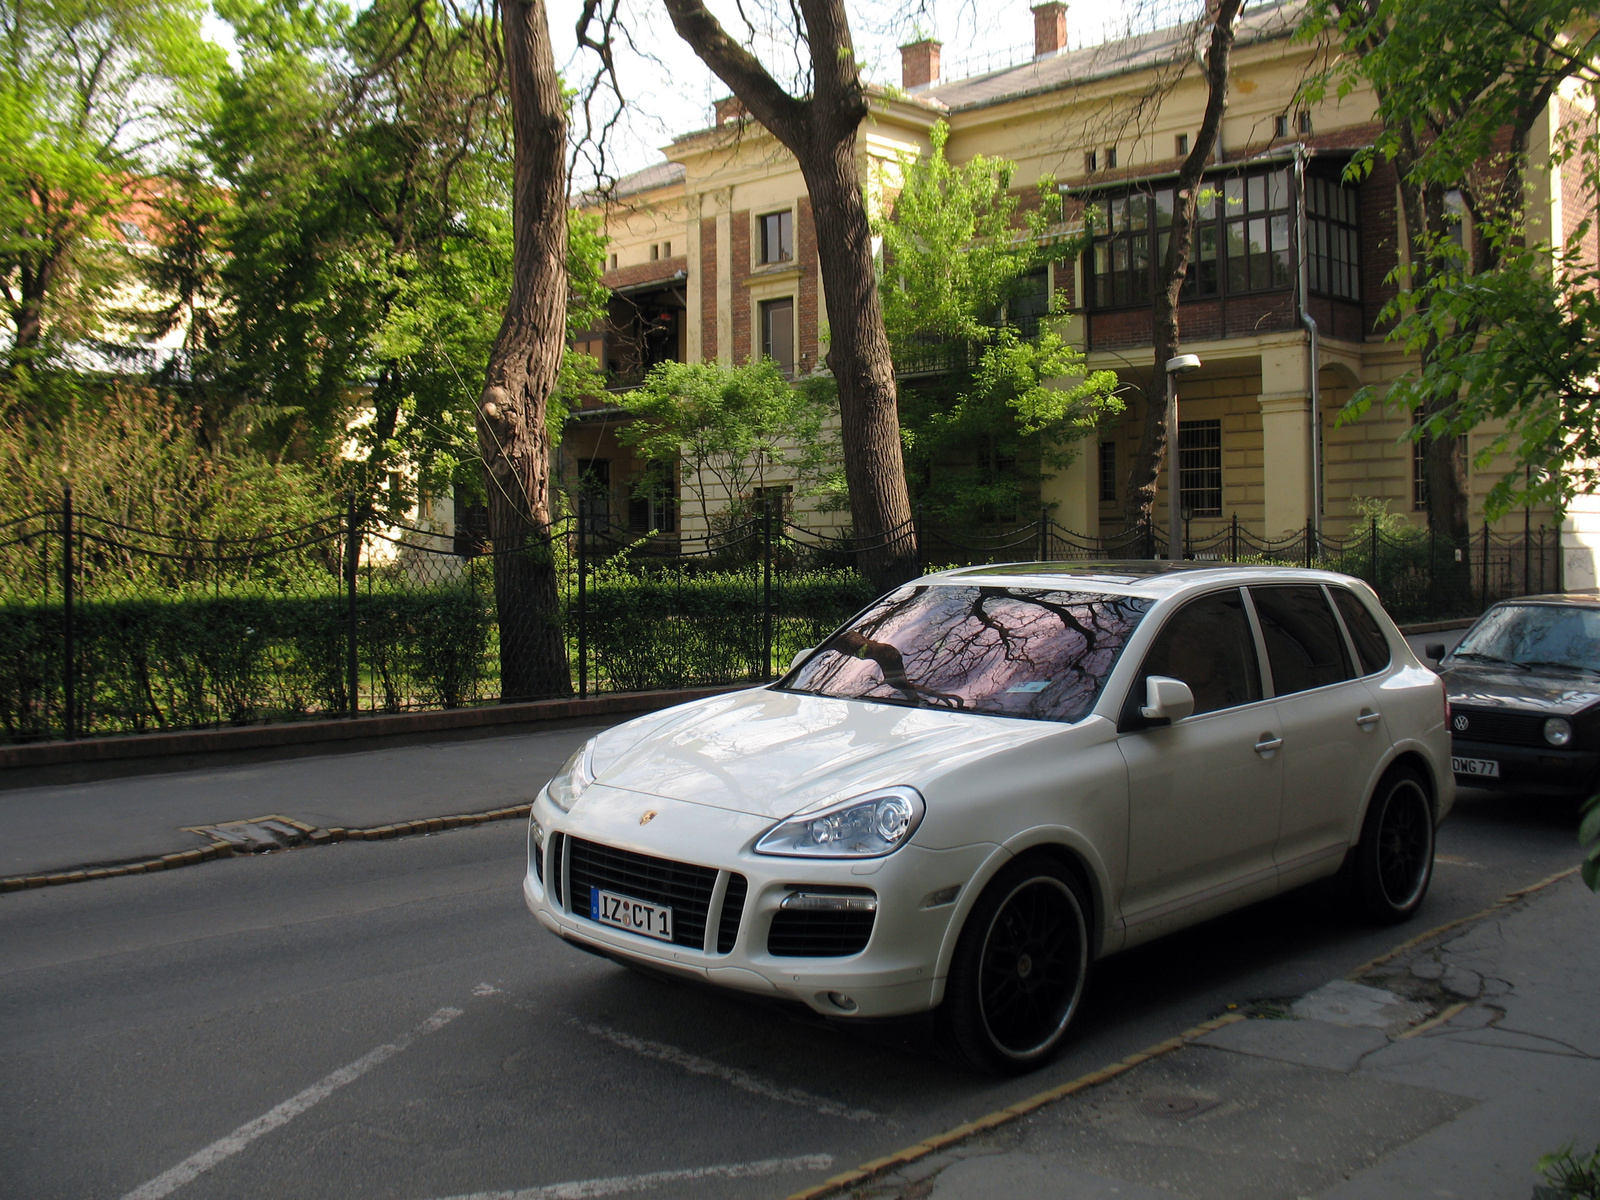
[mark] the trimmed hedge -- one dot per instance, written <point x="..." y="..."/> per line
<point x="187" y="661"/>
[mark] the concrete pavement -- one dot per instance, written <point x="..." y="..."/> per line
<point x="1443" y="1072"/>
<point x="118" y="820"/>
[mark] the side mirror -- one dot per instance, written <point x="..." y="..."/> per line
<point x="1434" y="650"/>
<point x="800" y="656"/>
<point x="1166" y="700"/>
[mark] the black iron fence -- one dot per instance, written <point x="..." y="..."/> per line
<point x="108" y="628"/>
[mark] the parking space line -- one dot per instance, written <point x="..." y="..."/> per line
<point x="203" y="1160"/>
<point x="732" y="1076"/>
<point x="618" y="1185"/>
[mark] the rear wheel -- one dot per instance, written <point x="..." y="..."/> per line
<point x="1019" y="968"/>
<point x="1392" y="865"/>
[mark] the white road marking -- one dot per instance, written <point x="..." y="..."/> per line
<point x="486" y="989"/>
<point x="743" y="1080"/>
<point x="617" y="1185"/>
<point x="203" y="1160"/>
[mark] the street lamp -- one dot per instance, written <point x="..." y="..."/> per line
<point x="1181" y="365"/>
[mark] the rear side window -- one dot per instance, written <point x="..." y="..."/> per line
<point x="1304" y="647"/>
<point x="1372" y="648"/>
<point x="1207" y="644"/>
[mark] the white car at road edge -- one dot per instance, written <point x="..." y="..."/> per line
<point x="992" y="777"/>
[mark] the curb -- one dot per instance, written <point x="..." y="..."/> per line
<point x="329" y="735"/>
<point x="1011" y="1112"/>
<point x="315" y="837"/>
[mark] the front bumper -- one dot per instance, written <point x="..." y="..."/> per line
<point x="1537" y="771"/>
<point x="897" y="971"/>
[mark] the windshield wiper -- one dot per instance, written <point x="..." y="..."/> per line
<point x="1562" y="666"/>
<point x="1493" y="658"/>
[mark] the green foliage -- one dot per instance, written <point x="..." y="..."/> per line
<point x="92" y="92"/>
<point x="957" y="253"/>
<point x="1589" y="839"/>
<point x="1568" y="1176"/>
<point x="734" y="429"/>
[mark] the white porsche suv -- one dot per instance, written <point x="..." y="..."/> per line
<point x="992" y="777"/>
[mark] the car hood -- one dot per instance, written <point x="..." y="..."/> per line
<point x="776" y="753"/>
<point x="1553" y="693"/>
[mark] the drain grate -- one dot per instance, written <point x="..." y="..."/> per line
<point x="259" y="835"/>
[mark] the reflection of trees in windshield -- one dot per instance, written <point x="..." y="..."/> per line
<point x="1540" y="634"/>
<point x="1011" y="651"/>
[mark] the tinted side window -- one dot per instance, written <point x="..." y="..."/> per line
<point x="1304" y="648"/>
<point x="1207" y="644"/>
<point x="1371" y="646"/>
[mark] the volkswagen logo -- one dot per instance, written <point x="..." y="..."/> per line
<point x="649" y="815"/>
<point x="1459" y="724"/>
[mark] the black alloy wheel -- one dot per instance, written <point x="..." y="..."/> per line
<point x="1019" y="968"/>
<point x="1392" y="864"/>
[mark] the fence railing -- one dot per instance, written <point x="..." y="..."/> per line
<point x="109" y="628"/>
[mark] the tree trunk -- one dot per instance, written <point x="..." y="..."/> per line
<point x="523" y="364"/>
<point x="1139" y="496"/>
<point x="820" y="131"/>
<point x="858" y="356"/>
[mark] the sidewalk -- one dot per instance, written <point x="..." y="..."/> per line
<point x="1443" y="1072"/>
<point x="69" y="826"/>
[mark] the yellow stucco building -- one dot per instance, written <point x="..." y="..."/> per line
<point x="712" y="255"/>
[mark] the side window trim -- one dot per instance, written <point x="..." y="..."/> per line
<point x="1359" y="667"/>
<point x="1263" y="664"/>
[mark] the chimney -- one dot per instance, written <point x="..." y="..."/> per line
<point x="919" y="64"/>
<point x="729" y="108"/>
<point x="1049" y="28"/>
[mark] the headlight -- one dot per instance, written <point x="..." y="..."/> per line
<point x="868" y="826"/>
<point x="1558" y="731"/>
<point x="573" y="779"/>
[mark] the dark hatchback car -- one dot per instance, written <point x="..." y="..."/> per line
<point x="1524" y="690"/>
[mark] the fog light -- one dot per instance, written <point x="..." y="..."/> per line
<point x="1558" y="731"/>
<point x="827" y="902"/>
<point x="842" y="1002"/>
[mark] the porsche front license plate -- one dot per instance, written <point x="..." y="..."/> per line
<point x="1485" y="767"/>
<point x="636" y="916"/>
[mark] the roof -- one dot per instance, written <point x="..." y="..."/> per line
<point x="1142" y="577"/>
<point x="1073" y="68"/>
<point x="656" y="175"/>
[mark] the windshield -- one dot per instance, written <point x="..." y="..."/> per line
<point x="1013" y="652"/>
<point x="1545" y="635"/>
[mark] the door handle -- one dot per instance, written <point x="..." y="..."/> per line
<point x="1368" y="718"/>
<point x="1267" y="744"/>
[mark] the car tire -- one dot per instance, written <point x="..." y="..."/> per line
<point x="1391" y="866"/>
<point x="1019" y="968"/>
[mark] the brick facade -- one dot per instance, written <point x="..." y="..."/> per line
<point x="708" y="288"/>
<point x="739" y="270"/>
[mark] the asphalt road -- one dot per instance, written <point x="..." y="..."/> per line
<point x="386" y="1020"/>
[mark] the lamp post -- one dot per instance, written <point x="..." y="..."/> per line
<point x="1181" y="365"/>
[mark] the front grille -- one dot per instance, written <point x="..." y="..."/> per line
<point x="732" y="911"/>
<point x="683" y="888"/>
<point x="1490" y="725"/>
<point x="800" y="934"/>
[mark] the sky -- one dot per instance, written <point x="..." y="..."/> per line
<point x="670" y="92"/>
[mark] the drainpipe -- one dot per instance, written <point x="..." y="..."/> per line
<point x="1315" y="358"/>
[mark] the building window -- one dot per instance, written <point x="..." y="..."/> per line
<point x="653" y="504"/>
<point x="1031" y="303"/>
<point x="1181" y="144"/>
<point x="1122" y="252"/>
<point x="1200" y="467"/>
<point x="777" y="237"/>
<point x="1302" y="121"/>
<point x="1091" y="161"/>
<point x="613" y="262"/>
<point x="1108" y="472"/>
<point x="1111" y="158"/>
<point x="1280" y="125"/>
<point x="1332" y="259"/>
<point x="666" y="249"/>
<point x="1256" y="221"/>
<point x="777" y="333"/>
<point x="655" y="251"/>
<point x="1455" y="217"/>
<point x="1419" y="470"/>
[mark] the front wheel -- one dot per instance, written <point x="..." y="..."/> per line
<point x="1392" y="865"/>
<point x="1019" y="968"/>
